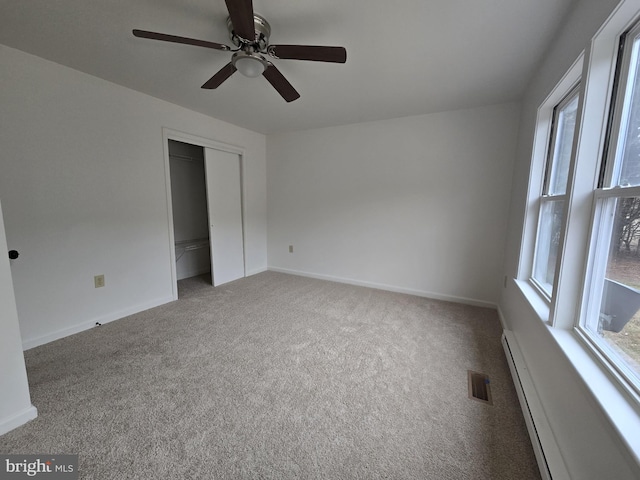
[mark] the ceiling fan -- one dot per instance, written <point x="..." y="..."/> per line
<point x="250" y="33"/>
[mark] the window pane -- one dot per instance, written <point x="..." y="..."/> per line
<point x="618" y="323"/>
<point x="549" y="227"/>
<point x="566" y="126"/>
<point x="629" y="164"/>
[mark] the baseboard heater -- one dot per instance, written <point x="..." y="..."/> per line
<point x="550" y="461"/>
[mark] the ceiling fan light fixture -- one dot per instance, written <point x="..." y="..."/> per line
<point x="249" y="64"/>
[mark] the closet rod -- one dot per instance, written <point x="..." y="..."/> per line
<point x="181" y="157"/>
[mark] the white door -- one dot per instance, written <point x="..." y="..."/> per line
<point x="225" y="215"/>
<point x="15" y="402"/>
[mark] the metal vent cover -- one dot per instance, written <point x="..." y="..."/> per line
<point x="479" y="387"/>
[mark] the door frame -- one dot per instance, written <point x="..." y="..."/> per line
<point x="170" y="134"/>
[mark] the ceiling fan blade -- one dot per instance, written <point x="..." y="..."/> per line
<point x="224" y="73"/>
<point x="281" y="84"/>
<point x="309" y="52"/>
<point x="241" y="13"/>
<point x="172" y="38"/>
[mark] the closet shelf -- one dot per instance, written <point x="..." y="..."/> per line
<point x="185" y="246"/>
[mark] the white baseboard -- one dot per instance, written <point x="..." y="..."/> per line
<point x="503" y="321"/>
<point x="255" y="271"/>
<point x="80" y="327"/>
<point x="390" y="288"/>
<point x="14" y="421"/>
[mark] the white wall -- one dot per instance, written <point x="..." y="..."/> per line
<point x="15" y="401"/>
<point x="415" y="204"/>
<point x="589" y="445"/>
<point x="84" y="193"/>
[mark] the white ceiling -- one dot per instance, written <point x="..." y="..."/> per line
<point x="404" y="57"/>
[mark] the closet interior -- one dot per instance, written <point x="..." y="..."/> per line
<point x="189" y="202"/>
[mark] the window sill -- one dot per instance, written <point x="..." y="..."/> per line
<point x="620" y="406"/>
<point x="538" y="302"/>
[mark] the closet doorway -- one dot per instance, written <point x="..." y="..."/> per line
<point x="206" y="221"/>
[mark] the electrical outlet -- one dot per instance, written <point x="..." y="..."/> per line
<point x="98" y="281"/>
<point x="290" y="248"/>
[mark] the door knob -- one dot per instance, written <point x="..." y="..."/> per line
<point x="13" y="254"/>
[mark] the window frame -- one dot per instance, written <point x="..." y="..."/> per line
<point x="574" y="91"/>
<point x="610" y="167"/>
<point x="549" y="198"/>
<point x="541" y="303"/>
<point x="595" y="67"/>
<point x="601" y="222"/>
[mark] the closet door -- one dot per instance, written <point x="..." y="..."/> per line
<point x="225" y="215"/>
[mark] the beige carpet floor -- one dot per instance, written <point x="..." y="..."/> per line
<point x="278" y="376"/>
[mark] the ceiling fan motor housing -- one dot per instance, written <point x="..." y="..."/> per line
<point x="262" y="33"/>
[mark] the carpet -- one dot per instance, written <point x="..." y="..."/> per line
<point x="279" y="376"/>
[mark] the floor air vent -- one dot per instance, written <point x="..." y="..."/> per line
<point x="479" y="388"/>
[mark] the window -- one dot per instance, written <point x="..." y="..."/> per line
<point x="595" y="277"/>
<point x="552" y="201"/>
<point x="612" y="317"/>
